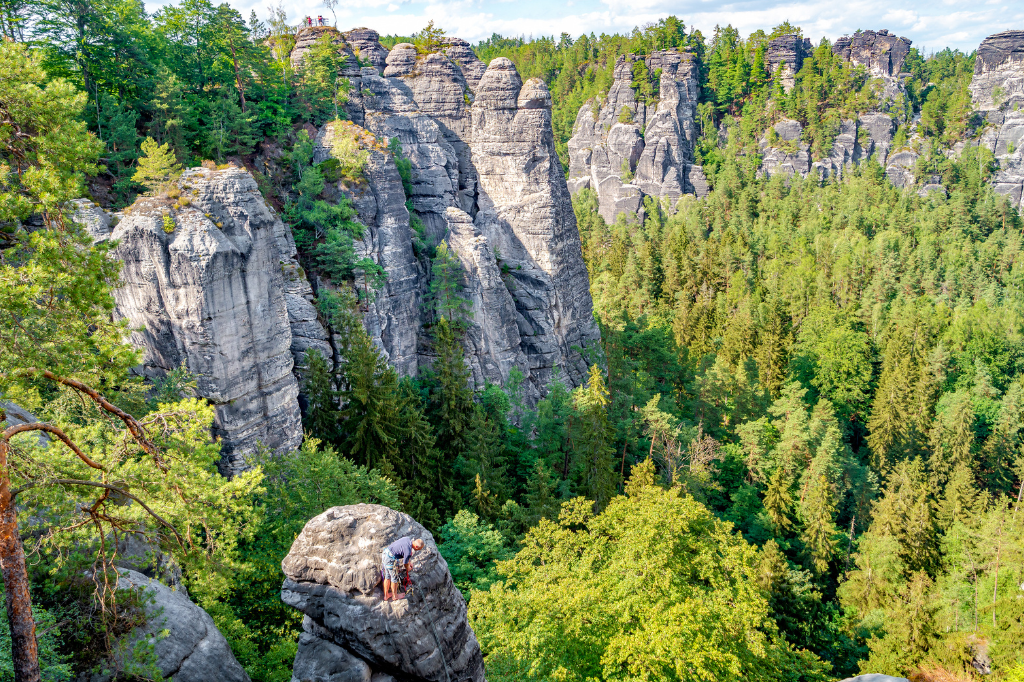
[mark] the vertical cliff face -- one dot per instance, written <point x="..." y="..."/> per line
<point x="525" y="212"/>
<point x="204" y="285"/>
<point x="486" y="179"/>
<point x="627" y="148"/>
<point x="997" y="92"/>
<point x="785" y="55"/>
<point x="882" y="53"/>
<point x="393" y="315"/>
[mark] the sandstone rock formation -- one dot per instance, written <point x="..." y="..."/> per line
<point x="997" y="92"/>
<point x="204" y="286"/>
<point x="365" y="43"/>
<point x="785" y="55"/>
<point x="882" y="53"/>
<point x="626" y="148"/>
<point x="191" y="650"/>
<point x="459" y="51"/>
<point x="332" y="575"/>
<point x="485" y="178"/>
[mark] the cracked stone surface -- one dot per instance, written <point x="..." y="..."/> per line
<point x="332" y="575"/>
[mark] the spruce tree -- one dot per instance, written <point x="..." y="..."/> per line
<point x="593" y="456"/>
<point x="778" y="502"/>
<point x="819" y="530"/>
<point x="370" y="403"/>
<point x="321" y="415"/>
<point x="446" y="286"/>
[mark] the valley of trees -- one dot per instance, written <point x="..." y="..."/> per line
<point x="798" y="454"/>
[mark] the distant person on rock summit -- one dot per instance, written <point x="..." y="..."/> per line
<point x="399" y="550"/>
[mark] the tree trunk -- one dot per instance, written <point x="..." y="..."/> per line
<point x="25" y="654"/>
<point x="238" y="78"/>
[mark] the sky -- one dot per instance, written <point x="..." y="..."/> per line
<point x="931" y="24"/>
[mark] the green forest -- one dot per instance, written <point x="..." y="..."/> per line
<point x="798" y="455"/>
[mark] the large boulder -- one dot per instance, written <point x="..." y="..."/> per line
<point x="186" y="645"/>
<point x="332" y="575"/>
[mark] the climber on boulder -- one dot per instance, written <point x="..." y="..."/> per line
<point x="400" y="550"/>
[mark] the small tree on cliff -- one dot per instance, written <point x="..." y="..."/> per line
<point x="157" y="167"/>
<point x="428" y="40"/>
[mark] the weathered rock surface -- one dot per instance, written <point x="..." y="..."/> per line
<point x="625" y="148"/>
<point x="210" y="294"/>
<point x="526" y="214"/>
<point x="997" y="92"/>
<point x="881" y="52"/>
<point x="485" y="177"/>
<point x="393" y="315"/>
<point x="193" y="649"/>
<point x="784" y="56"/>
<point x="365" y="42"/>
<point x="332" y="575"/>
<point x="459" y="51"/>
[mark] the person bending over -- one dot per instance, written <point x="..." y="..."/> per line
<point x="394" y="555"/>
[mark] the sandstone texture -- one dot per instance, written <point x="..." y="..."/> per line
<point x="880" y="52"/>
<point x="203" y="286"/>
<point x="785" y="55"/>
<point x="626" y="148"/>
<point x="332" y="575"/>
<point x="191" y="650"/>
<point x="365" y="43"/>
<point x="997" y="93"/>
<point x="485" y="178"/>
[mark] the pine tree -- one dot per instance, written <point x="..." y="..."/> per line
<point x="157" y="167"/>
<point x="541" y="494"/>
<point x="952" y="438"/>
<point x="819" y="529"/>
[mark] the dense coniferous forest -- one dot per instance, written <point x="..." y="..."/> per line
<point x="798" y="454"/>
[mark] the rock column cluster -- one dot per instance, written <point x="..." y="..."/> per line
<point x="626" y="148"/>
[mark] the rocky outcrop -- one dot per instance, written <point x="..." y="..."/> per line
<point x="459" y="51"/>
<point x="203" y="285"/>
<point x="365" y="43"/>
<point x="997" y="93"/>
<point x="880" y="52"/>
<point x="393" y="312"/>
<point x="186" y="644"/>
<point x="785" y="152"/>
<point x="627" y="147"/>
<point x="784" y="56"/>
<point x="525" y="212"/>
<point x="437" y="87"/>
<point x="332" y="575"/>
<point x="485" y="178"/>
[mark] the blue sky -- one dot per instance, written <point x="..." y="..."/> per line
<point x="930" y="24"/>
